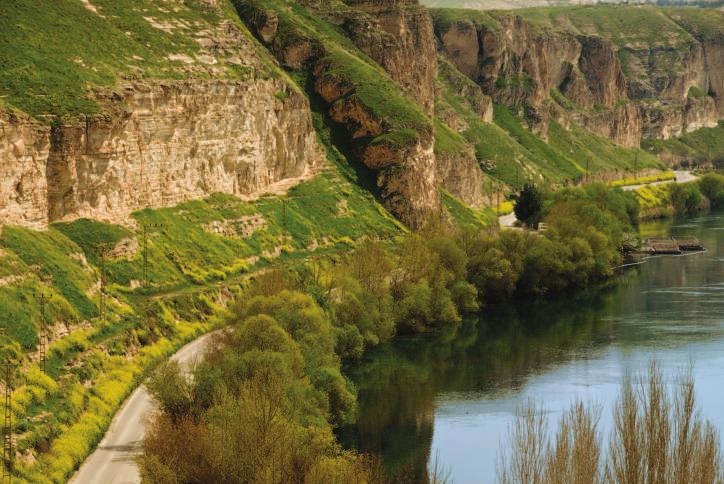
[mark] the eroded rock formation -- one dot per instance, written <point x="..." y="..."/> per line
<point x="520" y="63"/>
<point x="157" y="144"/>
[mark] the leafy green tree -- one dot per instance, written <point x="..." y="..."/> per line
<point x="529" y="205"/>
<point x="173" y="391"/>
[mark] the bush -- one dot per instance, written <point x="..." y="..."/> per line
<point x="657" y="437"/>
<point x="686" y="198"/>
<point x="712" y="187"/>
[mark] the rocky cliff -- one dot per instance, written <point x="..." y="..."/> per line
<point x="157" y="144"/>
<point x="385" y="114"/>
<point x="160" y="142"/>
<point x="398" y="35"/>
<point x="569" y="65"/>
<point x="185" y="102"/>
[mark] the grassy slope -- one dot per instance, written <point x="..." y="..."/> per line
<point x="521" y="156"/>
<point x="53" y="53"/>
<point x="703" y="144"/>
<point x="188" y="265"/>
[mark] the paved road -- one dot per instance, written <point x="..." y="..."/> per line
<point x="507" y="220"/>
<point x="682" y="176"/>
<point x="113" y="461"/>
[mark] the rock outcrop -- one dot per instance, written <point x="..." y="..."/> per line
<point x="24" y="151"/>
<point x="398" y="35"/>
<point x="396" y="142"/>
<point x="521" y="63"/>
<point x="157" y="144"/>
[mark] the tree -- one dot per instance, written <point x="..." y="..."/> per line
<point x="529" y="205"/>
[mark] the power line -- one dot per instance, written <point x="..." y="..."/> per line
<point x="101" y="250"/>
<point x="145" y="228"/>
<point x="8" y="453"/>
<point x="43" y="332"/>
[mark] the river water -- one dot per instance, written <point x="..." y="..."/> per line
<point x="450" y="400"/>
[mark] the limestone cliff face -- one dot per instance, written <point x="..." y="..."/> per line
<point x="398" y="35"/>
<point x="523" y="64"/>
<point x="24" y="150"/>
<point x="157" y="144"/>
<point x="406" y="172"/>
<point x="461" y="176"/>
<point x="519" y="64"/>
<point x="714" y="65"/>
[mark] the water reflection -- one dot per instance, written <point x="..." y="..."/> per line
<point x="454" y="395"/>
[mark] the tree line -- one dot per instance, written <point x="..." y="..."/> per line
<point x="263" y="403"/>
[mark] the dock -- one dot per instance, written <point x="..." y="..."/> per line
<point x="672" y="246"/>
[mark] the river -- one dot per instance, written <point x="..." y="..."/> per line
<point x="451" y="399"/>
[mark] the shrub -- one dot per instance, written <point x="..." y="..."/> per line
<point x="686" y="198"/>
<point x="657" y="437"/>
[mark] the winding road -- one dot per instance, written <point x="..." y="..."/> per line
<point x="113" y="461"/>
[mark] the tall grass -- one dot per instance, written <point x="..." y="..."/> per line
<point x="658" y="437"/>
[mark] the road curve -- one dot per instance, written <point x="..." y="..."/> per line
<point x="682" y="176"/>
<point x="113" y="461"/>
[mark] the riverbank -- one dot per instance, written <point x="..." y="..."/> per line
<point x="451" y="398"/>
<point x="423" y="283"/>
<point x="440" y="277"/>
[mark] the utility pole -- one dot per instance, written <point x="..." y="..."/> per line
<point x="43" y="333"/>
<point x="497" y="205"/>
<point x="284" y="214"/>
<point x="8" y="454"/>
<point x="588" y="166"/>
<point x="636" y="166"/>
<point x="101" y="252"/>
<point x="145" y="228"/>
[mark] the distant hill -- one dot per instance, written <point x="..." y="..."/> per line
<point x="510" y="4"/>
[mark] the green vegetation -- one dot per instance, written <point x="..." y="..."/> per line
<point x="623" y="25"/>
<point x="468" y="218"/>
<point x="711" y="186"/>
<point x="444" y="17"/>
<point x="642" y="180"/>
<point x="696" y="92"/>
<point x="686" y="198"/>
<point x="376" y="91"/>
<point x="53" y="53"/>
<point x="196" y="251"/>
<point x="654" y="201"/>
<point x="292" y="329"/>
<point x="258" y="406"/>
<point x="447" y="140"/>
<point x="701" y="146"/>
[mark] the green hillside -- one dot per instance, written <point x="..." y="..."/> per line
<point x="55" y="55"/>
